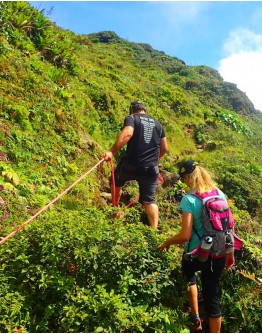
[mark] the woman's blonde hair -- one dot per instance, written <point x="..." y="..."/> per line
<point x="200" y="180"/>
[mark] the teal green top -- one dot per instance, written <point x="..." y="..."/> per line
<point x="192" y="204"/>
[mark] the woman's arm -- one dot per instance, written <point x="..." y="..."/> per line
<point x="184" y="234"/>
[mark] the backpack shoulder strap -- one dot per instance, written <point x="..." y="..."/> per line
<point x="198" y="195"/>
<point x="196" y="232"/>
<point x="207" y="196"/>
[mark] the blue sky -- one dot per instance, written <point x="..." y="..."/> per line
<point x="225" y="35"/>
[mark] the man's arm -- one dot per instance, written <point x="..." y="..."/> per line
<point x="163" y="147"/>
<point x="122" y="139"/>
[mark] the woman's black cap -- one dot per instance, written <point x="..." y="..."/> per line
<point x="187" y="167"/>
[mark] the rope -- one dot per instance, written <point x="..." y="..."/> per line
<point x="48" y="205"/>
<point x="132" y="202"/>
<point x="113" y="185"/>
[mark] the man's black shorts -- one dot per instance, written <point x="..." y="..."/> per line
<point x="145" y="176"/>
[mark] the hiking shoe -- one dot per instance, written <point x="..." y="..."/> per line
<point x="196" y="325"/>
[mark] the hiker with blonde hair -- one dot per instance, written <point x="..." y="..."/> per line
<point x="199" y="181"/>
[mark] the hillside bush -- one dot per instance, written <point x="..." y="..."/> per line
<point x="84" y="271"/>
<point x="88" y="275"/>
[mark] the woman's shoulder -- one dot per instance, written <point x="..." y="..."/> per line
<point x="189" y="203"/>
<point x="190" y="195"/>
<point x="189" y="198"/>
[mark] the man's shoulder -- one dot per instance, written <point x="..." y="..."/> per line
<point x="137" y="118"/>
<point x="129" y="119"/>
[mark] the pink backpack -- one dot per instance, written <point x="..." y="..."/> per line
<point x="218" y="223"/>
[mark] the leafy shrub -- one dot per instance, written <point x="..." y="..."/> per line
<point x="232" y="121"/>
<point x="21" y="114"/>
<point x="242" y="305"/>
<point x="79" y="271"/>
<point x="202" y="136"/>
<point x="93" y="272"/>
<point x="9" y="174"/>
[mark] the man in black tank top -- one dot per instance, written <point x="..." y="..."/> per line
<point x="146" y="144"/>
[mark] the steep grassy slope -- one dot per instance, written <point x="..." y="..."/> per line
<point x="74" y="107"/>
<point x="63" y="100"/>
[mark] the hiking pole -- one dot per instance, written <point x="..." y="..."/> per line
<point x="48" y="205"/>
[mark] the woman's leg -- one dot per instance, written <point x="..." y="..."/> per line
<point x="215" y="324"/>
<point x="196" y="324"/>
<point x="189" y="268"/>
<point x="210" y="278"/>
<point x="193" y="298"/>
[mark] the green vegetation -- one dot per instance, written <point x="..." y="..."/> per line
<point x="76" y="268"/>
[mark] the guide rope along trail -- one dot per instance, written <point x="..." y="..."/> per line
<point x="55" y="200"/>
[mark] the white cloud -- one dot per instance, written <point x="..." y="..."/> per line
<point x="242" y="63"/>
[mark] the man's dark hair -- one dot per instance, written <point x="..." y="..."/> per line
<point x="136" y="106"/>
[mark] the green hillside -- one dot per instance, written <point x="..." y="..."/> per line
<point x="76" y="268"/>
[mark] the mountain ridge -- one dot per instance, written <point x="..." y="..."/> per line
<point x="238" y="102"/>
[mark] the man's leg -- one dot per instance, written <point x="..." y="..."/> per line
<point x="119" y="183"/>
<point x="118" y="193"/>
<point x="152" y="214"/>
<point x="147" y="191"/>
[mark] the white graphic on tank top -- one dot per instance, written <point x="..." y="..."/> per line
<point x="148" y="127"/>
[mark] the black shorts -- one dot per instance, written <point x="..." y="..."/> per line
<point x="211" y="271"/>
<point x="145" y="176"/>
